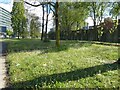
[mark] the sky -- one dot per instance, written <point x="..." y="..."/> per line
<point x="5" y="1"/>
<point x="7" y="4"/>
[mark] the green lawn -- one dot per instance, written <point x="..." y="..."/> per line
<point x="76" y="64"/>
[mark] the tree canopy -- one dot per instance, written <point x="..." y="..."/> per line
<point x="18" y="18"/>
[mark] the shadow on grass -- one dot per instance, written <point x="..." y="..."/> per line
<point x="66" y="76"/>
<point x="45" y="47"/>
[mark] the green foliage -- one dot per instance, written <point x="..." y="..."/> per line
<point x="24" y="32"/>
<point x="75" y="64"/>
<point x="18" y="18"/>
<point x="34" y="27"/>
<point x="116" y="9"/>
<point x="9" y="33"/>
<point x="72" y="15"/>
<point x="97" y="10"/>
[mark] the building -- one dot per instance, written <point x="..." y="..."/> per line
<point x="5" y="21"/>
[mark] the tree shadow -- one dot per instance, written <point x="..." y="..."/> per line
<point x="67" y="76"/>
<point x="44" y="47"/>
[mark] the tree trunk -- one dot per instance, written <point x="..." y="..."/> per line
<point x="57" y="23"/>
<point x="95" y="27"/>
<point x="42" y="23"/>
<point x="18" y="35"/>
<point x="118" y="31"/>
<point x="77" y="25"/>
<point x="118" y="40"/>
<point x="46" y="24"/>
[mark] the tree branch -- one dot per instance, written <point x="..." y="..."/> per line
<point x="51" y="3"/>
<point x="52" y="10"/>
<point x="33" y="4"/>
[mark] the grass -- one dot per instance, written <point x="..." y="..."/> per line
<point x="76" y="64"/>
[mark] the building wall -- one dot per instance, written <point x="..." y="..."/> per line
<point x="5" y="20"/>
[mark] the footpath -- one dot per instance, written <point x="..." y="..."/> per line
<point x="3" y="69"/>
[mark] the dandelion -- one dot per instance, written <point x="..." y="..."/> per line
<point x="45" y="65"/>
<point x="17" y="65"/>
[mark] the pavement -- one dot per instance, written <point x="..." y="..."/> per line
<point x="2" y="72"/>
<point x="2" y="65"/>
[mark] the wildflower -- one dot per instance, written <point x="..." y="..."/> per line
<point x="17" y="64"/>
<point x="45" y="65"/>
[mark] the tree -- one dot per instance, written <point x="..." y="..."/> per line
<point x="55" y="6"/>
<point x="46" y="28"/>
<point x="116" y="9"/>
<point x="42" y="35"/>
<point x="34" y="27"/>
<point x="72" y="16"/>
<point x="9" y="32"/>
<point x="57" y="25"/>
<point x="118" y="28"/>
<point x="97" y="10"/>
<point x="18" y="18"/>
<point x="24" y="32"/>
<point x="115" y="12"/>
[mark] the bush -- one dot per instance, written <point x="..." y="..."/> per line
<point x="9" y="32"/>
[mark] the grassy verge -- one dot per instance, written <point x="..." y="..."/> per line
<point x="75" y="64"/>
